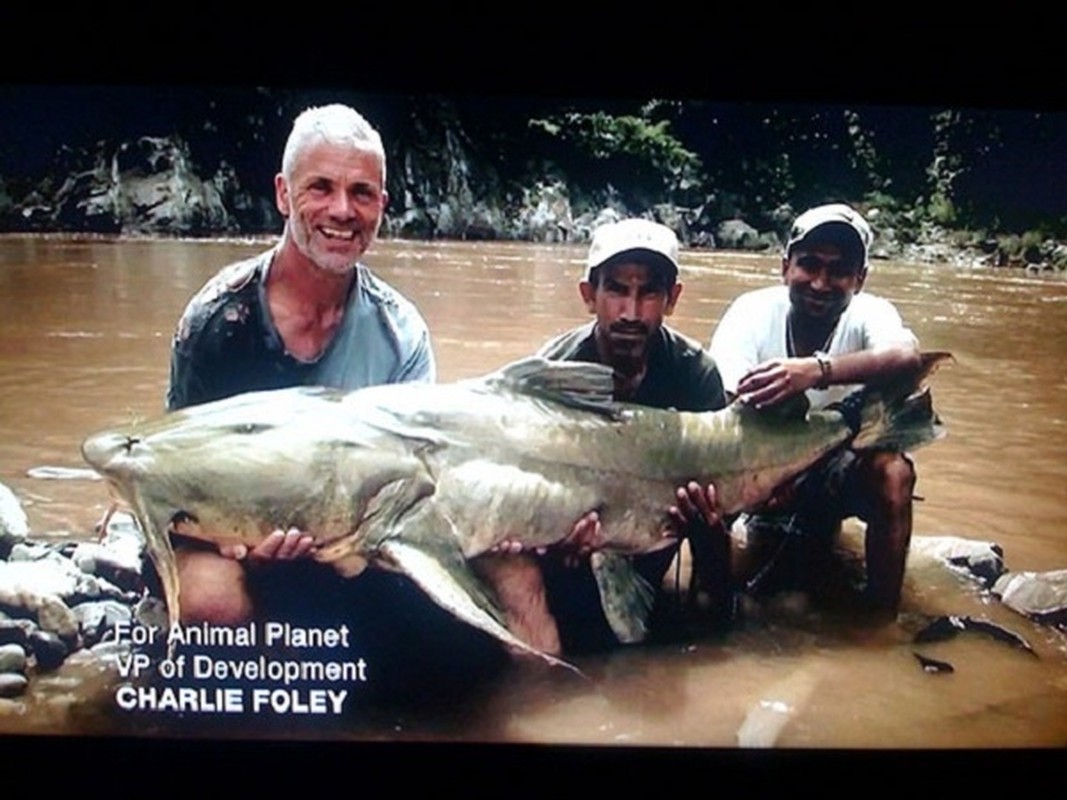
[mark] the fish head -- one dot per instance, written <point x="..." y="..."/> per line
<point x="232" y="460"/>
<point x="232" y="471"/>
<point x="120" y="457"/>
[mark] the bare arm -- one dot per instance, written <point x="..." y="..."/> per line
<point x="777" y="380"/>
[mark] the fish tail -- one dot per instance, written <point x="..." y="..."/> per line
<point x="898" y="414"/>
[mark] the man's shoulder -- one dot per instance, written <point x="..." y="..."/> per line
<point x="233" y="280"/>
<point x="870" y="312"/>
<point x="687" y="357"/>
<point x="767" y="297"/>
<point x="678" y="345"/>
<point x="568" y="345"/>
<point x="387" y="298"/>
<point x="872" y="322"/>
<point x="682" y="374"/>
<point x="866" y="302"/>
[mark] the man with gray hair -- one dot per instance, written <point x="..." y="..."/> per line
<point x="306" y="312"/>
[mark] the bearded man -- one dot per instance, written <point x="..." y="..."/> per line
<point x="630" y="287"/>
<point x="306" y="312"/>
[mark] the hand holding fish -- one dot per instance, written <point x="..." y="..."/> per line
<point x="278" y="546"/>
<point x="695" y="506"/>
<point x="774" y="381"/>
<point x="583" y="539"/>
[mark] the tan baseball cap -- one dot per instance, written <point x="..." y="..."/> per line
<point x="642" y="240"/>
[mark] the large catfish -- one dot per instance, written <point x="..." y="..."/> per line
<point x="421" y="478"/>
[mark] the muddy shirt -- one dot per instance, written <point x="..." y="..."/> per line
<point x="680" y="374"/>
<point x="226" y="342"/>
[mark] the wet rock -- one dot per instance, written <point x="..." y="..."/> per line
<point x="97" y="618"/>
<point x="151" y="612"/>
<point x="12" y="685"/>
<point x="49" y="572"/>
<point x="108" y="651"/>
<point x="51" y="605"/>
<point x="546" y="214"/>
<point x="947" y="627"/>
<point x="31" y="551"/>
<point x="12" y="659"/>
<point x="736" y="234"/>
<point x="981" y="560"/>
<point x="119" y="564"/>
<point x="48" y="610"/>
<point x="146" y="185"/>
<point x="1040" y="595"/>
<point x="14" y="631"/>
<point x="49" y="651"/>
<point x="14" y="527"/>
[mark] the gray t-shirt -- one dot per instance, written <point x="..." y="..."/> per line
<point x="226" y="342"/>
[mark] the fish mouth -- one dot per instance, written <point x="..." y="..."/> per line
<point x="104" y="449"/>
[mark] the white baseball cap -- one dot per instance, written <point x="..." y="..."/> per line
<point x="642" y="240"/>
<point x="835" y="222"/>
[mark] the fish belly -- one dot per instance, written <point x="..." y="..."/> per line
<point x="489" y="502"/>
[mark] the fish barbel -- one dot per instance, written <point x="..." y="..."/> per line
<point x="421" y="478"/>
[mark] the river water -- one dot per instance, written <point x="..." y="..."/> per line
<point x="84" y="338"/>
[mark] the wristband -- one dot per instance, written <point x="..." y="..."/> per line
<point x="826" y="369"/>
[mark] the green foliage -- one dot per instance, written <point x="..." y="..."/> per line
<point x="1032" y="239"/>
<point x="863" y="156"/>
<point x="941" y="210"/>
<point x="881" y="200"/>
<point x="630" y="152"/>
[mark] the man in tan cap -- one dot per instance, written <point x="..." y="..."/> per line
<point x="818" y="333"/>
<point x="630" y="286"/>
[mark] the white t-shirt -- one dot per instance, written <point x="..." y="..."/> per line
<point x="753" y="330"/>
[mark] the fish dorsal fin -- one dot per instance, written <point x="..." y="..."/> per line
<point x="578" y="384"/>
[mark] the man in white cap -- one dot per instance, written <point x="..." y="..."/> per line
<point x="820" y="334"/>
<point x="630" y="285"/>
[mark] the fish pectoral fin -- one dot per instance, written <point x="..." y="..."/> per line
<point x="625" y="596"/>
<point x="446" y="578"/>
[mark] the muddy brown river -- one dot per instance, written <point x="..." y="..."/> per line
<point x="84" y="337"/>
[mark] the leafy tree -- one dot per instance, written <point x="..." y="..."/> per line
<point x="635" y="155"/>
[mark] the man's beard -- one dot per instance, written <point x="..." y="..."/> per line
<point x="336" y="263"/>
<point x="628" y="342"/>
